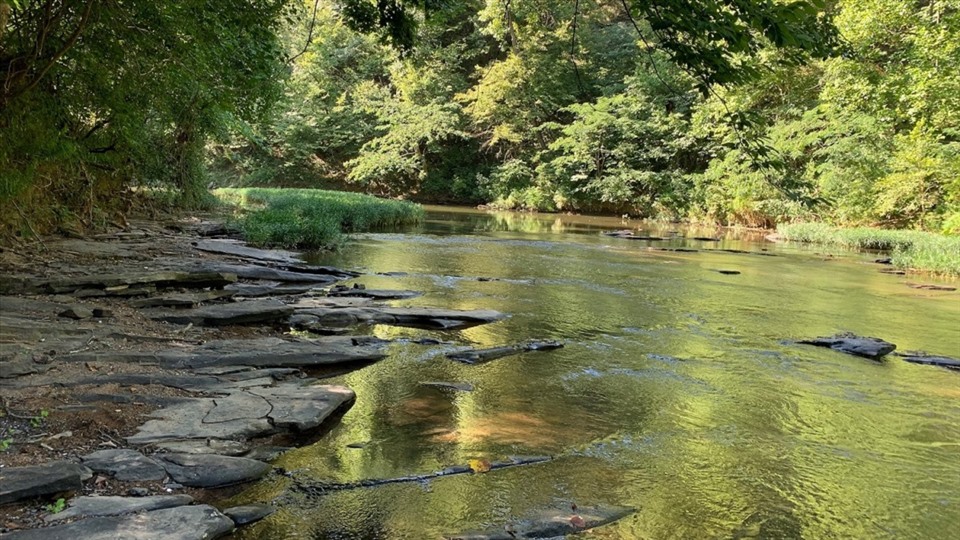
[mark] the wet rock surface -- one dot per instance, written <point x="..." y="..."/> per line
<point x="376" y="294"/>
<point x="180" y="523"/>
<point x="867" y="347"/>
<point x="459" y="386"/>
<point x="242" y="515"/>
<point x="480" y="356"/>
<point x="931" y="287"/>
<point x="414" y="317"/>
<point x="920" y="357"/>
<point x="551" y="523"/>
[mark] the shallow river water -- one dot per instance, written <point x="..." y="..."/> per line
<point x="678" y="392"/>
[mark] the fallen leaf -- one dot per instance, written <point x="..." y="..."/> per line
<point x="479" y="465"/>
<point x="578" y="522"/>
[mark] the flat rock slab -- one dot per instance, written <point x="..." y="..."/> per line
<point x="480" y="356"/>
<point x="201" y="522"/>
<point x="19" y="483"/>
<point x="125" y="465"/>
<point x="18" y="367"/>
<point x="627" y="234"/>
<point x="210" y="471"/>
<point x="302" y="408"/>
<point x="867" y="347"/>
<point x="254" y="311"/>
<point x="241" y="515"/>
<point x="931" y="287"/>
<point x="262" y="352"/>
<point x="244" y="414"/>
<point x="270" y="288"/>
<point x="278" y="353"/>
<point x="551" y="523"/>
<point x="338" y="273"/>
<point x="185" y="420"/>
<point x="205" y="446"/>
<point x="115" y="506"/>
<point x="240" y="249"/>
<point x="376" y="294"/>
<point x="252" y="271"/>
<point x="415" y="317"/>
<point x="931" y="360"/>
<point x="182" y="300"/>
<point x="191" y="280"/>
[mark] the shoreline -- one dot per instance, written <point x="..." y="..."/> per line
<point x="156" y="364"/>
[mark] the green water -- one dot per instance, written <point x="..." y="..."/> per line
<point x="677" y="393"/>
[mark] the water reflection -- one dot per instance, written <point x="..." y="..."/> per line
<point x="678" y="392"/>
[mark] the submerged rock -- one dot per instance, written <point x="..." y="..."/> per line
<point x="241" y="515"/>
<point x="921" y="357"/>
<point x="931" y="287"/>
<point x="551" y="523"/>
<point x="867" y="347"/>
<point x="200" y="522"/>
<point x="480" y="356"/>
<point x="461" y="386"/>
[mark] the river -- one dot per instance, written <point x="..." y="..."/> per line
<point x="678" y="392"/>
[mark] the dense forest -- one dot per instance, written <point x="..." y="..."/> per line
<point x="728" y="111"/>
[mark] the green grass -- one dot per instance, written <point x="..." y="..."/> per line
<point x="910" y="250"/>
<point x="312" y="218"/>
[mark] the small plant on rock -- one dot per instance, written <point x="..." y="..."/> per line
<point x="56" y="507"/>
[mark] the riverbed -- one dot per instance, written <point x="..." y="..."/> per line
<point x="679" y="391"/>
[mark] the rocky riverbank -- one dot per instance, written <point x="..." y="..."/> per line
<point x="143" y="371"/>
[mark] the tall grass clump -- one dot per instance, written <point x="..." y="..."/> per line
<point x="936" y="254"/>
<point x="910" y="250"/>
<point x="312" y="218"/>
